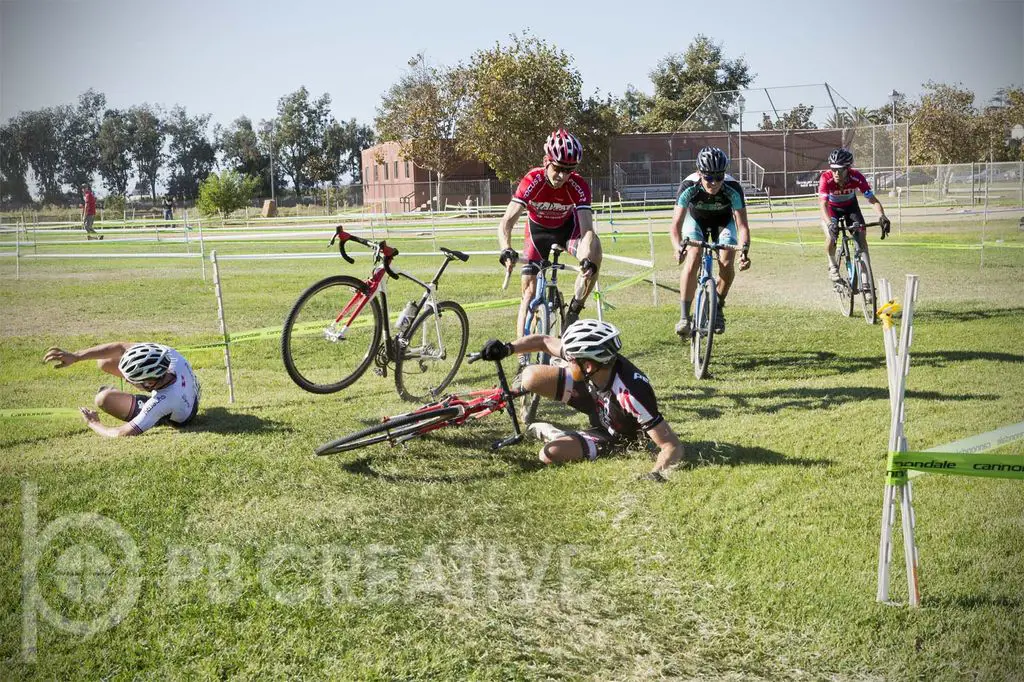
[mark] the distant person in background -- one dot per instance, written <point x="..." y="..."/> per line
<point x="172" y="390"/>
<point x="89" y="213"/>
<point x="168" y="207"/>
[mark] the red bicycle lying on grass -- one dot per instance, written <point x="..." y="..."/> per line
<point x="453" y="410"/>
<point x="335" y="330"/>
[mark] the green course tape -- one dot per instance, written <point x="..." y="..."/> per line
<point x="628" y="282"/>
<point x="39" y="413"/>
<point x="980" y="443"/>
<point x="986" y="466"/>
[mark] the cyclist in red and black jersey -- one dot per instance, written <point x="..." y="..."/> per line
<point x="837" y="192"/>
<point x="557" y="201"/>
<point x="596" y="380"/>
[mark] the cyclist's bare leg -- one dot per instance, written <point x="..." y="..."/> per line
<point x="541" y="380"/>
<point x="862" y="240"/>
<point x="688" y="276"/>
<point x="115" y="403"/>
<point x="830" y="246"/>
<point x="560" y="450"/>
<point x="726" y="271"/>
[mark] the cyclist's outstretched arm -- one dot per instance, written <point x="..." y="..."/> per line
<point x="508" y="221"/>
<point x="675" y="231"/>
<point x="538" y="343"/>
<point x="670" y="448"/>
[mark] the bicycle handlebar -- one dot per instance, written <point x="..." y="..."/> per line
<point x="715" y="246"/>
<point x="381" y="250"/>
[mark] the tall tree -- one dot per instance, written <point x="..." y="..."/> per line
<point x="360" y="137"/>
<point x="631" y="109"/>
<point x="422" y="112"/>
<point x="40" y="134"/>
<point x="797" y="118"/>
<point x="147" y="135"/>
<point x="1003" y="112"/>
<point x="299" y="131"/>
<point x="945" y="128"/>
<point x="191" y="154"/>
<point x="596" y="123"/>
<point x="115" y="141"/>
<point x="242" y="151"/>
<point x="682" y="82"/>
<point x="519" y="93"/>
<point x="13" y="167"/>
<point x="79" y="140"/>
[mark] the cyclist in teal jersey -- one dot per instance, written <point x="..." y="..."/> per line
<point x="710" y="207"/>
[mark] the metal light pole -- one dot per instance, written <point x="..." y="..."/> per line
<point x="893" y="98"/>
<point x="740" y="102"/>
<point x="272" y="183"/>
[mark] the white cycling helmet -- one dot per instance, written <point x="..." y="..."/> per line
<point x="144" y="361"/>
<point x="591" y="340"/>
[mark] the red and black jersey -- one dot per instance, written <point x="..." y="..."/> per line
<point x="547" y="206"/>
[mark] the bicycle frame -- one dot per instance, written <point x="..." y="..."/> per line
<point x="546" y="286"/>
<point x="846" y="228"/>
<point x="477" y="405"/>
<point x="377" y="287"/>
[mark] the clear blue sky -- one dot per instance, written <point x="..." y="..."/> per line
<point x="235" y="58"/>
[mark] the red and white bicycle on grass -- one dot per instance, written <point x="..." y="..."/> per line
<point x="452" y="410"/>
<point x="340" y="325"/>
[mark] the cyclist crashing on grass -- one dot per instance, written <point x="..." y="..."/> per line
<point x="172" y="388"/>
<point x="710" y="206"/>
<point x="837" y="192"/>
<point x="557" y="201"/>
<point x="599" y="382"/>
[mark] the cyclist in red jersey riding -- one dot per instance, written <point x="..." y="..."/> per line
<point x="557" y="201"/>
<point x="837" y="191"/>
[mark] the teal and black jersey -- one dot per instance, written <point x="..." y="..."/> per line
<point x="715" y="208"/>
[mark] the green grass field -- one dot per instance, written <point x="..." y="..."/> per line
<point x="442" y="560"/>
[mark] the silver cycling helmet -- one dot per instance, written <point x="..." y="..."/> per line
<point x="144" y="361"/>
<point x="712" y="160"/>
<point x="591" y="340"/>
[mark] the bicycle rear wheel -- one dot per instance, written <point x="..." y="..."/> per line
<point x="436" y="345"/>
<point x="400" y="428"/>
<point x="869" y="301"/>
<point x="319" y="356"/>
<point x="704" y="328"/>
<point x="845" y="289"/>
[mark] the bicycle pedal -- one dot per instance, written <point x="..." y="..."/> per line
<point x="380" y="371"/>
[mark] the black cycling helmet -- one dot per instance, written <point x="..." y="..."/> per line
<point x="712" y="160"/>
<point x="840" y="158"/>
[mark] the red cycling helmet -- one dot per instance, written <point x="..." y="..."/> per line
<point x="563" y="148"/>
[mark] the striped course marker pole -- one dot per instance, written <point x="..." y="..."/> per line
<point x="957" y="458"/>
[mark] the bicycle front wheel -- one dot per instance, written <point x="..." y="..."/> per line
<point x="869" y="301"/>
<point x="321" y="354"/>
<point x="541" y="325"/>
<point x="395" y="429"/>
<point x="845" y="289"/>
<point x="704" y="328"/>
<point x="436" y="344"/>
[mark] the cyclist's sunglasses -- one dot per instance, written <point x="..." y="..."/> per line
<point x="563" y="169"/>
<point x="713" y="177"/>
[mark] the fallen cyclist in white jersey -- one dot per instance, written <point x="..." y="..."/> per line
<point x="171" y="386"/>
<point x="608" y="388"/>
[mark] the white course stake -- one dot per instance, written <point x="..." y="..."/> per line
<point x="898" y="364"/>
<point x="223" y="325"/>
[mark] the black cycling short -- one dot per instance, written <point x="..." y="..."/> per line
<point x="540" y="239"/>
<point x="851" y="212"/>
